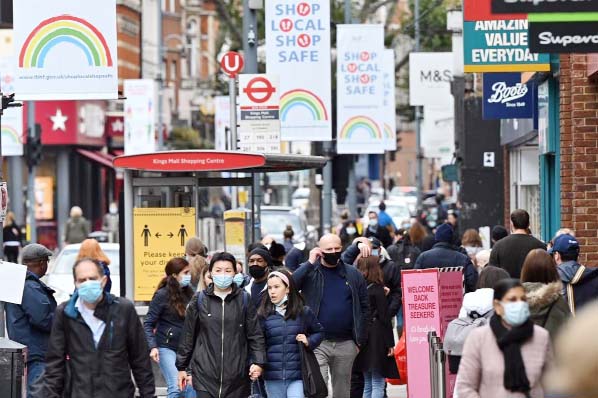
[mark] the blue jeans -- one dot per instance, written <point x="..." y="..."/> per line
<point x="374" y="385"/>
<point x="171" y="374"/>
<point x="34" y="371"/>
<point x="284" y="388"/>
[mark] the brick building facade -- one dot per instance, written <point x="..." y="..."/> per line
<point x="579" y="151"/>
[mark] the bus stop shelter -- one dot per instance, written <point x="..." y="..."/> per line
<point x="162" y="190"/>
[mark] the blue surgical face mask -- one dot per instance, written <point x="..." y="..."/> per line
<point x="375" y="252"/>
<point x="90" y="291"/>
<point x="516" y="313"/>
<point x="239" y="279"/>
<point x="222" y="281"/>
<point x="185" y="280"/>
<point x="283" y="301"/>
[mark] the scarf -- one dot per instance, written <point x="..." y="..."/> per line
<point x="510" y="341"/>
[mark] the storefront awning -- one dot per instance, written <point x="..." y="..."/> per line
<point x="104" y="159"/>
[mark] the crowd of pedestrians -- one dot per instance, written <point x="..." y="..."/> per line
<point x="215" y="331"/>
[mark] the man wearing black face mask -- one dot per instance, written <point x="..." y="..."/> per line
<point x="260" y="264"/>
<point x="337" y="292"/>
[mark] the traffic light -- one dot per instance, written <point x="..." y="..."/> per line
<point x="34" y="150"/>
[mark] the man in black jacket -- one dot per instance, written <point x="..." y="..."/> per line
<point x="103" y="338"/>
<point x="376" y="230"/>
<point x="444" y="255"/>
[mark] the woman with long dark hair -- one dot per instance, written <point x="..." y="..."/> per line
<point x="286" y="322"/>
<point x="508" y="357"/>
<point x="164" y="321"/>
<point x="375" y="359"/>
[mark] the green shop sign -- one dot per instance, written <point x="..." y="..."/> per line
<point x="500" y="46"/>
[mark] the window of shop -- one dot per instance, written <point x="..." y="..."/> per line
<point x="525" y="183"/>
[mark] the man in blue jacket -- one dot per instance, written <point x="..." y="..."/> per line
<point x="337" y="292"/>
<point x="445" y="254"/>
<point x="30" y="322"/>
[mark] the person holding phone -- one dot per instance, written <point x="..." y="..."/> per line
<point x="164" y="322"/>
<point x="221" y="336"/>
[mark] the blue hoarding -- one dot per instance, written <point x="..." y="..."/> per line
<point x="505" y="97"/>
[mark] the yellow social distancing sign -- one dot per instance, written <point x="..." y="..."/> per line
<point x="159" y="235"/>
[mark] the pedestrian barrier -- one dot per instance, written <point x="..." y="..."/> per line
<point x="437" y="366"/>
<point x="13" y="379"/>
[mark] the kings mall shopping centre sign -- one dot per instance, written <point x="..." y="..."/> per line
<point x="505" y="97"/>
<point x="531" y="6"/>
<point x="500" y="46"/>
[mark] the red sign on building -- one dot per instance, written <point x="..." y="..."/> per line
<point x="481" y="10"/>
<point x="187" y="161"/>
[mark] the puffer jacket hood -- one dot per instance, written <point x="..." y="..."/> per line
<point x="481" y="302"/>
<point x="542" y="295"/>
<point x="567" y="270"/>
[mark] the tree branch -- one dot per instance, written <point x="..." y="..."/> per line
<point x="236" y="35"/>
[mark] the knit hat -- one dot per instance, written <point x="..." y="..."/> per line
<point x="294" y="259"/>
<point x="277" y="250"/>
<point x="444" y="233"/>
<point x="265" y="254"/>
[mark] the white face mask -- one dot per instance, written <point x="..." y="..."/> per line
<point x="351" y="230"/>
<point x="113" y="209"/>
<point x="373" y="222"/>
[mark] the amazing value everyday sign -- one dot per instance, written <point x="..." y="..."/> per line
<point x="360" y="89"/>
<point x="500" y="46"/>
<point x="505" y="97"/>
<point x="298" y="51"/>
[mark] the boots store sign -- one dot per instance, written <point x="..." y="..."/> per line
<point x="531" y="6"/>
<point x="505" y="97"/>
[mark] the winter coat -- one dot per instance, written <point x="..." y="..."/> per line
<point x="392" y="277"/>
<point x="30" y="322"/>
<point x="547" y="307"/>
<point x="404" y="254"/>
<point x="482" y="365"/>
<point x="445" y="255"/>
<point x="220" y="339"/>
<point x="585" y="290"/>
<point x="77" y="230"/>
<point x="380" y="232"/>
<point x="310" y="280"/>
<point x="373" y="356"/>
<point x="282" y="348"/>
<point x="105" y="371"/>
<point x="165" y="320"/>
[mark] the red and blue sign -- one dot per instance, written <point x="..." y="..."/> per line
<point x="505" y="97"/>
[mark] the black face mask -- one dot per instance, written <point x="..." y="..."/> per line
<point x="257" y="272"/>
<point x="332" y="258"/>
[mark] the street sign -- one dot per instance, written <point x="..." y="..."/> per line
<point x="259" y="101"/>
<point x="232" y="63"/>
<point x="190" y="161"/>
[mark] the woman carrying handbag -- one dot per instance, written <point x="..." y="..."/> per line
<point x="289" y="328"/>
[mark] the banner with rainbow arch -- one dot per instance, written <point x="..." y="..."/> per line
<point x="12" y="132"/>
<point x="300" y="99"/>
<point x="66" y="49"/>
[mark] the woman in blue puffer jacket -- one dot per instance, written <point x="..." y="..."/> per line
<point x="286" y="322"/>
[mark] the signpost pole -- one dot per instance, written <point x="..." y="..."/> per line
<point x="232" y="90"/>
<point x="418" y="119"/>
<point x="31" y="178"/>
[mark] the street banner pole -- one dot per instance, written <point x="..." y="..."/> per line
<point x="232" y="89"/>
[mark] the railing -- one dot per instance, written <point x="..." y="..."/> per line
<point x="437" y="366"/>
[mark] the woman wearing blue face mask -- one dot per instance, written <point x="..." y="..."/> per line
<point x="164" y="321"/>
<point x="286" y="322"/>
<point x="508" y="357"/>
<point x="222" y="341"/>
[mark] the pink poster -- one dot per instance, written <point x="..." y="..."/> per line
<point x="422" y="314"/>
<point x="451" y="299"/>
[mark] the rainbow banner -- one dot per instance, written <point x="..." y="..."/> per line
<point x="12" y="132"/>
<point x="389" y="111"/>
<point x="66" y="50"/>
<point x="360" y="89"/>
<point x="298" y="51"/>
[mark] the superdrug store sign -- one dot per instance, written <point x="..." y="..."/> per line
<point x="539" y="6"/>
<point x="563" y="37"/>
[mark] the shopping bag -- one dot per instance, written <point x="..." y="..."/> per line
<point x="314" y="385"/>
<point x="401" y="358"/>
<point x="256" y="390"/>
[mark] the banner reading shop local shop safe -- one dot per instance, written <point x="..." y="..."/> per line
<point x="298" y="51"/>
<point x="360" y="89"/>
<point x="66" y="49"/>
<point x="159" y="235"/>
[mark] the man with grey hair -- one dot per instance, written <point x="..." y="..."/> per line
<point x="30" y="322"/>
<point x="77" y="228"/>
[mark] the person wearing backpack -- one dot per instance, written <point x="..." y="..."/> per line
<point x="543" y="287"/>
<point x="404" y="253"/>
<point x="222" y="341"/>
<point x="476" y="311"/>
<point x="164" y="321"/>
<point x="286" y="322"/>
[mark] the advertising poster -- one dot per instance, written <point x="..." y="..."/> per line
<point x="259" y="102"/>
<point x="481" y="10"/>
<point x="159" y="235"/>
<point x="564" y="33"/>
<point x="505" y="97"/>
<point x="390" y="101"/>
<point x="11" y="126"/>
<point x="66" y="50"/>
<point x="298" y="51"/>
<point x="430" y="76"/>
<point x="44" y="198"/>
<point x="500" y="46"/>
<point x="360" y="89"/>
<point x="140" y="127"/>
